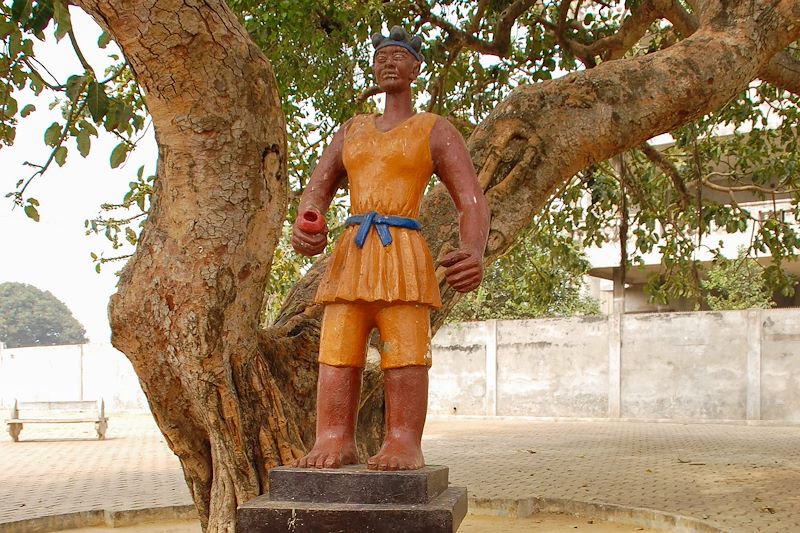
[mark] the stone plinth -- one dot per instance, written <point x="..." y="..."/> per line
<point x="355" y="500"/>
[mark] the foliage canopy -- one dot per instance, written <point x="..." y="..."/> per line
<point x="737" y="284"/>
<point x="670" y="198"/>
<point x="31" y="317"/>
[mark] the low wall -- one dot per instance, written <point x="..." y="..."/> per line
<point x="73" y="372"/>
<point x="732" y="365"/>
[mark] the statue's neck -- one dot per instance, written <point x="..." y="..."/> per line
<point x="398" y="107"/>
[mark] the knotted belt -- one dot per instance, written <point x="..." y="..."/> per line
<point x="381" y="224"/>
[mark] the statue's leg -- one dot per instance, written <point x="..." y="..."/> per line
<point x="343" y="341"/>
<point x="405" y="331"/>
<point x="406" y="392"/>
<point x="338" y="391"/>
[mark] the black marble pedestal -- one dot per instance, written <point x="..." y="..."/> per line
<point x="355" y="500"/>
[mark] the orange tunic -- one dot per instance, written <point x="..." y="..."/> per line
<point x="388" y="173"/>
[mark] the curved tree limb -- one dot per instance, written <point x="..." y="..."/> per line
<point x="499" y="46"/>
<point x="783" y="71"/>
<point x="669" y="169"/>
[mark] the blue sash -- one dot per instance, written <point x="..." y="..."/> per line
<point x="381" y="224"/>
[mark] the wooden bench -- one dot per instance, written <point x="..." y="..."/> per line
<point x="58" y="413"/>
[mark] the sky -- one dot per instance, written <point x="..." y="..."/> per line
<point x="54" y="254"/>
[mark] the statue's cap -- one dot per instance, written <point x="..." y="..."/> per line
<point x="399" y="37"/>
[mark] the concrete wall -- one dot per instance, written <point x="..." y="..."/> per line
<point x="733" y="365"/>
<point x="558" y="367"/>
<point x="780" y="367"/>
<point x="74" y="372"/>
<point x="461" y="384"/>
<point x="684" y="365"/>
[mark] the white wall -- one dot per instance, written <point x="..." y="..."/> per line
<point x="73" y="372"/>
<point x="732" y="365"/>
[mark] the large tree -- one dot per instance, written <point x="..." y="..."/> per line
<point x="234" y="398"/>
<point x="33" y="317"/>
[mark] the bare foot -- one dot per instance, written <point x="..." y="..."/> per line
<point x="329" y="453"/>
<point x="398" y="452"/>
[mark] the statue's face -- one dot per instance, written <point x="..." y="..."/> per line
<point x="395" y="68"/>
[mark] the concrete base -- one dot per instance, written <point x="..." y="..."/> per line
<point x="355" y="500"/>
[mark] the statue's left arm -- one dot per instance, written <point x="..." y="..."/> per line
<point x="453" y="165"/>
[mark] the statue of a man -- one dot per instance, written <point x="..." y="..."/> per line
<point x="381" y="273"/>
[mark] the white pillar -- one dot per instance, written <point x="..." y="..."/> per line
<point x="754" y="324"/>
<point x="615" y="347"/>
<point x="491" y="367"/>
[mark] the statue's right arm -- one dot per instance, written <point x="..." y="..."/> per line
<point x="318" y="194"/>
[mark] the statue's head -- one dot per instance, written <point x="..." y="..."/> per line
<point x="397" y="59"/>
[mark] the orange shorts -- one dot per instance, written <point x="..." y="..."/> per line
<point x="405" y="330"/>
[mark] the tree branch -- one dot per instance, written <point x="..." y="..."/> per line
<point x="366" y="94"/>
<point x="633" y="28"/>
<point x="783" y="71"/>
<point x="577" y="49"/>
<point x="685" y="23"/>
<point x="53" y="86"/>
<point x="78" y="53"/>
<point x="669" y="169"/>
<point x="706" y="181"/>
<point x="631" y="31"/>
<point x="499" y="46"/>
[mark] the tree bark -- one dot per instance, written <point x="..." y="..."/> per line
<point x="187" y="309"/>
<point x="233" y="400"/>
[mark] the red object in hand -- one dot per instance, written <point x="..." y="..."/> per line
<point x="311" y="221"/>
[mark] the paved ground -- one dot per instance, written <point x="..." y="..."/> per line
<point x="735" y="477"/>
<point x="548" y="523"/>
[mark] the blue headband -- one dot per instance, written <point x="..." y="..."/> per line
<point x="399" y="37"/>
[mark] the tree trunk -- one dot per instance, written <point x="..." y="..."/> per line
<point x="234" y="401"/>
<point x="187" y="310"/>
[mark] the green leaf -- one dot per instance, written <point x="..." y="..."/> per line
<point x="119" y="154"/>
<point x="21" y="10"/>
<point x="27" y="110"/>
<point x="84" y="125"/>
<point x="131" y="236"/>
<point x="60" y="155"/>
<point x="84" y="142"/>
<point x="52" y="134"/>
<point x="36" y="83"/>
<point x="112" y="114"/>
<point x="14" y="44"/>
<point x="75" y="86"/>
<point x="104" y="39"/>
<point x="32" y="212"/>
<point x="97" y="101"/>
<point x="42" y="14"/>
<point x="8" y="108"/>
<point x="6" y="27"/>
<point x="62" y="18"/>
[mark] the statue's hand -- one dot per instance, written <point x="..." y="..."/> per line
<point x="310" y="233"/>
<point x="464" y="270"/>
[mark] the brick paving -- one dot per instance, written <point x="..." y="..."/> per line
<point x="63" y="468"/>
<point x="739" y="478"/>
